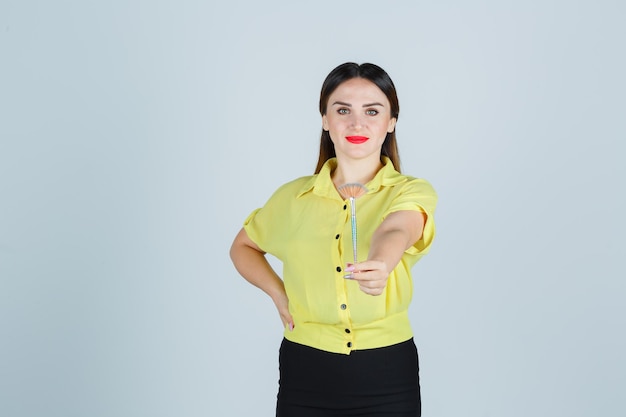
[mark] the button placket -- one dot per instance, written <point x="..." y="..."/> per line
<point x="349" y="338"/>
<point x="344" y="313"/>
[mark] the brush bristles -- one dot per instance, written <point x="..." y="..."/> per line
<point x="352" y="190"/>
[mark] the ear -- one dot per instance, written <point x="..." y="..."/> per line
<point x="392" y="125"/>
<point x="324" y="123"/>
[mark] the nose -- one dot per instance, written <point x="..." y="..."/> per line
<point x="357" y="121"/>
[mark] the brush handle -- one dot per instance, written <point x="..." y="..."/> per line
<point x="353" y="208"/>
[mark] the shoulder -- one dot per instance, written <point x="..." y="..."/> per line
<point x="294" y="187"/>
<point x="391" y="178"/>
<point x="297" y="184"/>
<point x="409" y="192"/>
<point x="419" y="185"/>
<point x="406" y="183"/>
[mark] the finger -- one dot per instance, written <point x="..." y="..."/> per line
<point x="366" y="267"/>
<point x="371" y="291"/>
<point x="287" y="321"/>
<point x="372" y="276"/>
<point x="372" y="286"/>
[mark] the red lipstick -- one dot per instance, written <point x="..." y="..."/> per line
<point x="357" y="139"/>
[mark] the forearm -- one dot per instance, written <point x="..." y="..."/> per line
<point x="388" y="246"/>
<point x="398" y="232"/>
<point x="252" y="264"/>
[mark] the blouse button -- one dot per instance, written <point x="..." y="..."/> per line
<point x="345" y="206"/>
<point x="343" y="306"/>
<point x="338" y="269"/>
<point x="347" y="330"/>
<point x="336" y="236"/>
<point x="349" y="344"/>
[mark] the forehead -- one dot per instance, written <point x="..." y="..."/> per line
<point x="358" y="90"/>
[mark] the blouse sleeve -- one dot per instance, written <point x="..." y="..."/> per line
<point x="267" y="226"/>
<point x="419" y="195"/>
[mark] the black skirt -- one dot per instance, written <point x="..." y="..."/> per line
<point x="373" y="382"/>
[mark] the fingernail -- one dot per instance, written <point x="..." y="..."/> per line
<point x="348" y="276"/>
<point x="349" y="267"/>
<point x="291" y="327"/>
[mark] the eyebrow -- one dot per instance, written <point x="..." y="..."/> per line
<point x="341" y="103"/>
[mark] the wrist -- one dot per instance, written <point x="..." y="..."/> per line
<point x="277" y="293"/>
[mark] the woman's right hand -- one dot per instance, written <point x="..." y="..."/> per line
<point x="282" y="304"/>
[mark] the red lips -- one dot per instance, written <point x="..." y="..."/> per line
<point x="357" y="139"/>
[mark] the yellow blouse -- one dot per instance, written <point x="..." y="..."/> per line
<point x="307" y="225"/>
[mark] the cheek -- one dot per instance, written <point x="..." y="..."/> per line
<point x="335" y="126"/>
<point x="383" y="128"/>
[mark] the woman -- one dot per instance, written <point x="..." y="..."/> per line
<point x="348" y="346"/>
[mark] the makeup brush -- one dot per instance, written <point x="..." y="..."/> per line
<point x="352" y="191"/>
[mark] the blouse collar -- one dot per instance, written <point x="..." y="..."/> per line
<point x="322" y="184"/>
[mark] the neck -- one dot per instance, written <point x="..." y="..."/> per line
<point x="352" y="171"/>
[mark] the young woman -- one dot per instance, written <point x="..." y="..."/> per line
<point x="348" y="347"/>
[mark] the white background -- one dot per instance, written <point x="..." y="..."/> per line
<point x="135" y="137"/>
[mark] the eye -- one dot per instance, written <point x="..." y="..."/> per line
<point x="371" y="112"/>
<point x="343" y="110"/>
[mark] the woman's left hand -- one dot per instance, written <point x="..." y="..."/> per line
<point x="371" y="276"/>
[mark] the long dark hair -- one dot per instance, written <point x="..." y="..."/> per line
<point x="378" y="76"/>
